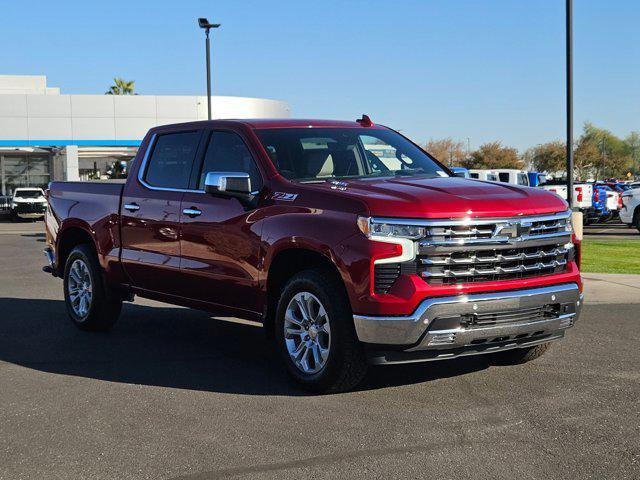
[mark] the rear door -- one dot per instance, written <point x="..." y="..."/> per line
<point x="220" y="240"/>
<point x="150" y="214"/>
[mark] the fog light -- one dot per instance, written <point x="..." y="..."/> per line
<point x="442" y="339"/>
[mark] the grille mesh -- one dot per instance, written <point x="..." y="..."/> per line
<point x="385" y="276"/>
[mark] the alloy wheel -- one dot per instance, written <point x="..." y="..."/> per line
<point x="307" y="333"/>
<point x="80" y="288"/>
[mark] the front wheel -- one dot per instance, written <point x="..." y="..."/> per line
<point x="90" y="303"/>
<point x="315" y="335"/>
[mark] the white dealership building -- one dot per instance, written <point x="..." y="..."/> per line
<point x="46" y="135"/>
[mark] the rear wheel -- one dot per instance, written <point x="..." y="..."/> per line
<point x="315" y="334"/>
<point x="519" y="355"/>
<point x="636" y="219"/>
<point x="90" y="303"/>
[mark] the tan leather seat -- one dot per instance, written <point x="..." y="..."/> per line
<point x="319" y="163"/>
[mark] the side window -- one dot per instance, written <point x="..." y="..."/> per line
<point x="227" y="152"/>
<point x="523" y="179"/>
<point x="474" y="175"/>
<point x="171" y="160"/>
<point x="504" y="177"/>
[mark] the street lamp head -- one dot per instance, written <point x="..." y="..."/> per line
<point x="204" y="23"/>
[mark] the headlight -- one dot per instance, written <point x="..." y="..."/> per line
<point x="398" y="234"/>
<point x="372" y="228"/>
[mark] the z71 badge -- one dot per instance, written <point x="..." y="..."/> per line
<point x="285" y="197"/>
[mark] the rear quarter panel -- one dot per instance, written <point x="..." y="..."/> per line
<point x="93" y="207"/>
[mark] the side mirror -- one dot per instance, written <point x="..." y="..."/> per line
<point x="228" y="183"/>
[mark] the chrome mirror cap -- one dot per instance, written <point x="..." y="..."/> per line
<point x="231" y="182"/>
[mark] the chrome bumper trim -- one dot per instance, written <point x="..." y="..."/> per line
<point x="410" y="330"/>
<point x="394" y="357"/>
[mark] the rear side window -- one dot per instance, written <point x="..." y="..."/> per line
<point x="504" y="177"/>
<point x="227" y="152"/>
<point x="523" y="179"/>
<point x="171" y="160"/>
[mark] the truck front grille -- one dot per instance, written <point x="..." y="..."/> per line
<point x="30" y="208"/>
<point x="471" y="250"/>
<point x="493" y="264"/>
<point x="487" y="250"/>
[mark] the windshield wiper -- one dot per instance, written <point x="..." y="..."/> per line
<point x="408" y="171"/>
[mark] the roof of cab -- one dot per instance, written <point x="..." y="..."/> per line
<point x="269" y="123"/>
<point x="260" y="123"/>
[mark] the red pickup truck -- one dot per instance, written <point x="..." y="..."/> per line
<point x="351" y="244"/>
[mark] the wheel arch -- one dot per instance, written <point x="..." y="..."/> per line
<point x="68" y="239"/>
<point x="286" y="263"/>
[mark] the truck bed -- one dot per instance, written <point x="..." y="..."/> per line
<point x="93" y="207"/>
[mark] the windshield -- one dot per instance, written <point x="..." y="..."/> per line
<point x="317" y="154"/>
<point x="28" y="193"/>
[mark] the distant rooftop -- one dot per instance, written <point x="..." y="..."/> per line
<point x="26" y="84"/>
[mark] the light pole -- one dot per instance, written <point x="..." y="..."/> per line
<point x="204" y="23"/>
<point x="569" y="51"/>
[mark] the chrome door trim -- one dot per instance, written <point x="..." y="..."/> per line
<point x="143" y="168"/>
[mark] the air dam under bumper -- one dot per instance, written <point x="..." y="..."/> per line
<point x="448" y="327"/>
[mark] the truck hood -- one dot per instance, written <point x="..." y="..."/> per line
<point x="29" y="200"/>
<point x="446" y="197"/>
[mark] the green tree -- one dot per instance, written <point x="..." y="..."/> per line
<point x="548" y="157"/>
<point x="494" y="155"/>
<point x="615" y="154"/>
<point x="121" y="87"/>
<point x="447" y="150"/>
<point x="633" y="144"/>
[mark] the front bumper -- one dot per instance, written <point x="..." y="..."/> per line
<point x="469" y="324"/>
<point x="30" y="215"/>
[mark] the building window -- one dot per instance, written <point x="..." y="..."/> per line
<point x="24" y="171"/>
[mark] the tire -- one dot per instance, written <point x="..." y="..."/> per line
<point x="519" y="355"/>
<point x="344" y="363"/>
<point x="636" y="219"/>
<point x="101" y="306"/>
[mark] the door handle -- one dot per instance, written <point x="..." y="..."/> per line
<point x="132" y="207"/>
<point x="192" y="212"/>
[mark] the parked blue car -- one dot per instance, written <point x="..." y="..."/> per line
<point x="536" y="179"/>
<point x="598" y="211"/>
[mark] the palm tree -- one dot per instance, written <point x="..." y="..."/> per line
<point x="121" y="87"/>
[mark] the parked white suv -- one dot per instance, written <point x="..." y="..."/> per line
<point x="630" y="211"/>
<point x="28" y="203"/>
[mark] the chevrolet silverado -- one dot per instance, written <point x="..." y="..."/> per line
<point x="348" y="242"/>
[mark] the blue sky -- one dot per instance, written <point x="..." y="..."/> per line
<point x="487" y="70"/>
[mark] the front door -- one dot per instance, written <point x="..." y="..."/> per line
<point x="220" y="241"/>
<point x="150" y="213"/>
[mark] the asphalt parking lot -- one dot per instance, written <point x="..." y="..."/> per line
<point x="610" y="231"/>
<point x="171" y="393"/>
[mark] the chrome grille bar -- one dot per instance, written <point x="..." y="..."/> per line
<point x="497" y="270"/>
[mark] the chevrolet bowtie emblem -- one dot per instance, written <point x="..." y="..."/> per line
<point x="509" y="230"/>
